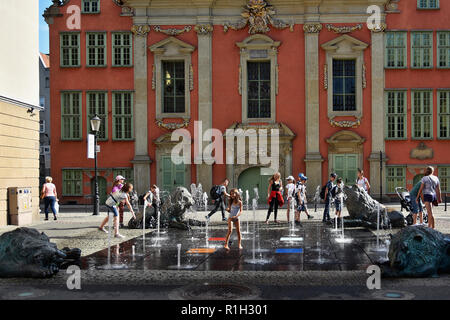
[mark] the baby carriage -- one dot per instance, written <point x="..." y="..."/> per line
<point x="405" y="202"/>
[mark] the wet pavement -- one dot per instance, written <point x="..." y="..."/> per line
<point x="314" y="247"/>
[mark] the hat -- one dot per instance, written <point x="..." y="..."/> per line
<point x="290" y="178"/>
<point x="302" y="176"/>
<point x="119" y="177"/>
<point x="334" y="175"/>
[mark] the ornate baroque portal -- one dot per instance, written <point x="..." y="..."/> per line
<point x="285" y="150"/>
<point x="345" y="142"/>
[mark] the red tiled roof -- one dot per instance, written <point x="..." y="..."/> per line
<point x="45" y="59"/>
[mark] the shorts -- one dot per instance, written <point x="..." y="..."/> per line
<point x="429" y="197"/>
<point x="338" y="205"/>
<point x="114" y="210"/>
<point x="302" y="207"/>
<point x="416" y="206"/>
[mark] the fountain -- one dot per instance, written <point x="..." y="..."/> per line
<point x="110" y="266"/>
<point x="292" y="237"/>
<point x="205" y="201"/>
<point x="378" y="248"/>
<point x="255" y="260"/>
<point x="248" y="218"/>
<point x="336" y="222"/>
<point x="179" y="266"/>
<point x="342" y="238"/>
<point x="192" y="238"/>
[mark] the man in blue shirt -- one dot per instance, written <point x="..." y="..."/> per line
<point x="329" y="186"/>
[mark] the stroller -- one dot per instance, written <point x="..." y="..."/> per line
<point x="405" y="202"/>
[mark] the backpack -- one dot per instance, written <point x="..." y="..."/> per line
<point x="322" y="192"/>
<point x="214" y="192"/>
<point x="333" y="191"/>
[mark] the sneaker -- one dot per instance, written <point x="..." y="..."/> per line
<point x="121" y="225"/>
<point x="46" y="219"/>
<point x="310" y="217"/>
<point x="207" y="218"/>
<point x="103" y="229"/>
<point x="224" y="219"/>
<point x="55" y="218"/>
<point x="119" y="236"/>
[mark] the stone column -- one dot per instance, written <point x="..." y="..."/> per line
<point x="313" y="157"/>
<point x="204" y="33"/>
<point x="378" y="121"/>
<point x="141" y="159"/>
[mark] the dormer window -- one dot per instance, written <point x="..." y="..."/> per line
<point x="427" y="4"/>
<point x="91" y="6"/>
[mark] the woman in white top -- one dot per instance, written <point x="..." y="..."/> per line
<point x="431" y="193"/>
<point x="50" y="196"/>
<point x="112" y="203"/>
<point x="362" y="181"/>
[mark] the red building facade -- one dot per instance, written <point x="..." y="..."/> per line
<point x="345" y="94"/>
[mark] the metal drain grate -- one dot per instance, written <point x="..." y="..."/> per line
<point x="217" y="291"/>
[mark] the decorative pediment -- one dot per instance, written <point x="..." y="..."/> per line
<point x="346" y="137"/>
<point x="344" y="44"/>
<point x="172" y="46"/>
<point x="258" y="41"/>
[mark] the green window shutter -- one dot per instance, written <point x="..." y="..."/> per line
<point x="422" y="49"/>
<point x="122" y="116"/>
<point x="444" y="177"/>
<point x="395" y="48"/>
<point x="91" y="6"/>
<point x="72" y="182"/>
<point x="71" y="128"/>
<point x="443" y="50"/>
<point x="167" y="181"/>
<point x="173" y="86"/>
<point x="122" y="49"/>
<point x="395" y="177"/>
<point x="258" y="90"/>
<point x="395" y="115"/>
<point x="444" y="114"/>
<point x="422" y="114"/>
<point x="97" y="104"/>
<point x="70" y="49"/>
<point x="95" y="49"/>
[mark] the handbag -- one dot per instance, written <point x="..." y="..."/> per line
<point x="435" y="202"/>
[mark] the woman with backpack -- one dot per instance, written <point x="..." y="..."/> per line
<point x="431" y="193"/>
<point x="218" y="194"/>
<point x="274" y="196"/>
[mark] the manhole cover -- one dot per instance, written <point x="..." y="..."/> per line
<point x="393" y="295"/>
<point x="215" y="292"/>
<point x="25" y="293"/>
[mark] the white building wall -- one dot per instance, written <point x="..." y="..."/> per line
<point x="19" y="41"/>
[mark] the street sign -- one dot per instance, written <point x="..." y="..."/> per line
<point x="90" y="146"/>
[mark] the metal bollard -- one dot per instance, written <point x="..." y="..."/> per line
<point x="445" y="205"/>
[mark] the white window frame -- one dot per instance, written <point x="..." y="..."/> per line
<point x="345" y="47"/>
<point x="248" y="49"/>
<point x="169" y="49"/>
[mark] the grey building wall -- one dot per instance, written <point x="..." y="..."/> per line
<point x="44" y="137"/>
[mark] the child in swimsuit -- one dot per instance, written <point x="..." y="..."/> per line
<point x="235" y="210"/>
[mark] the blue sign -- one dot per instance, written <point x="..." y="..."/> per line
<point x="289" y="250"/>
